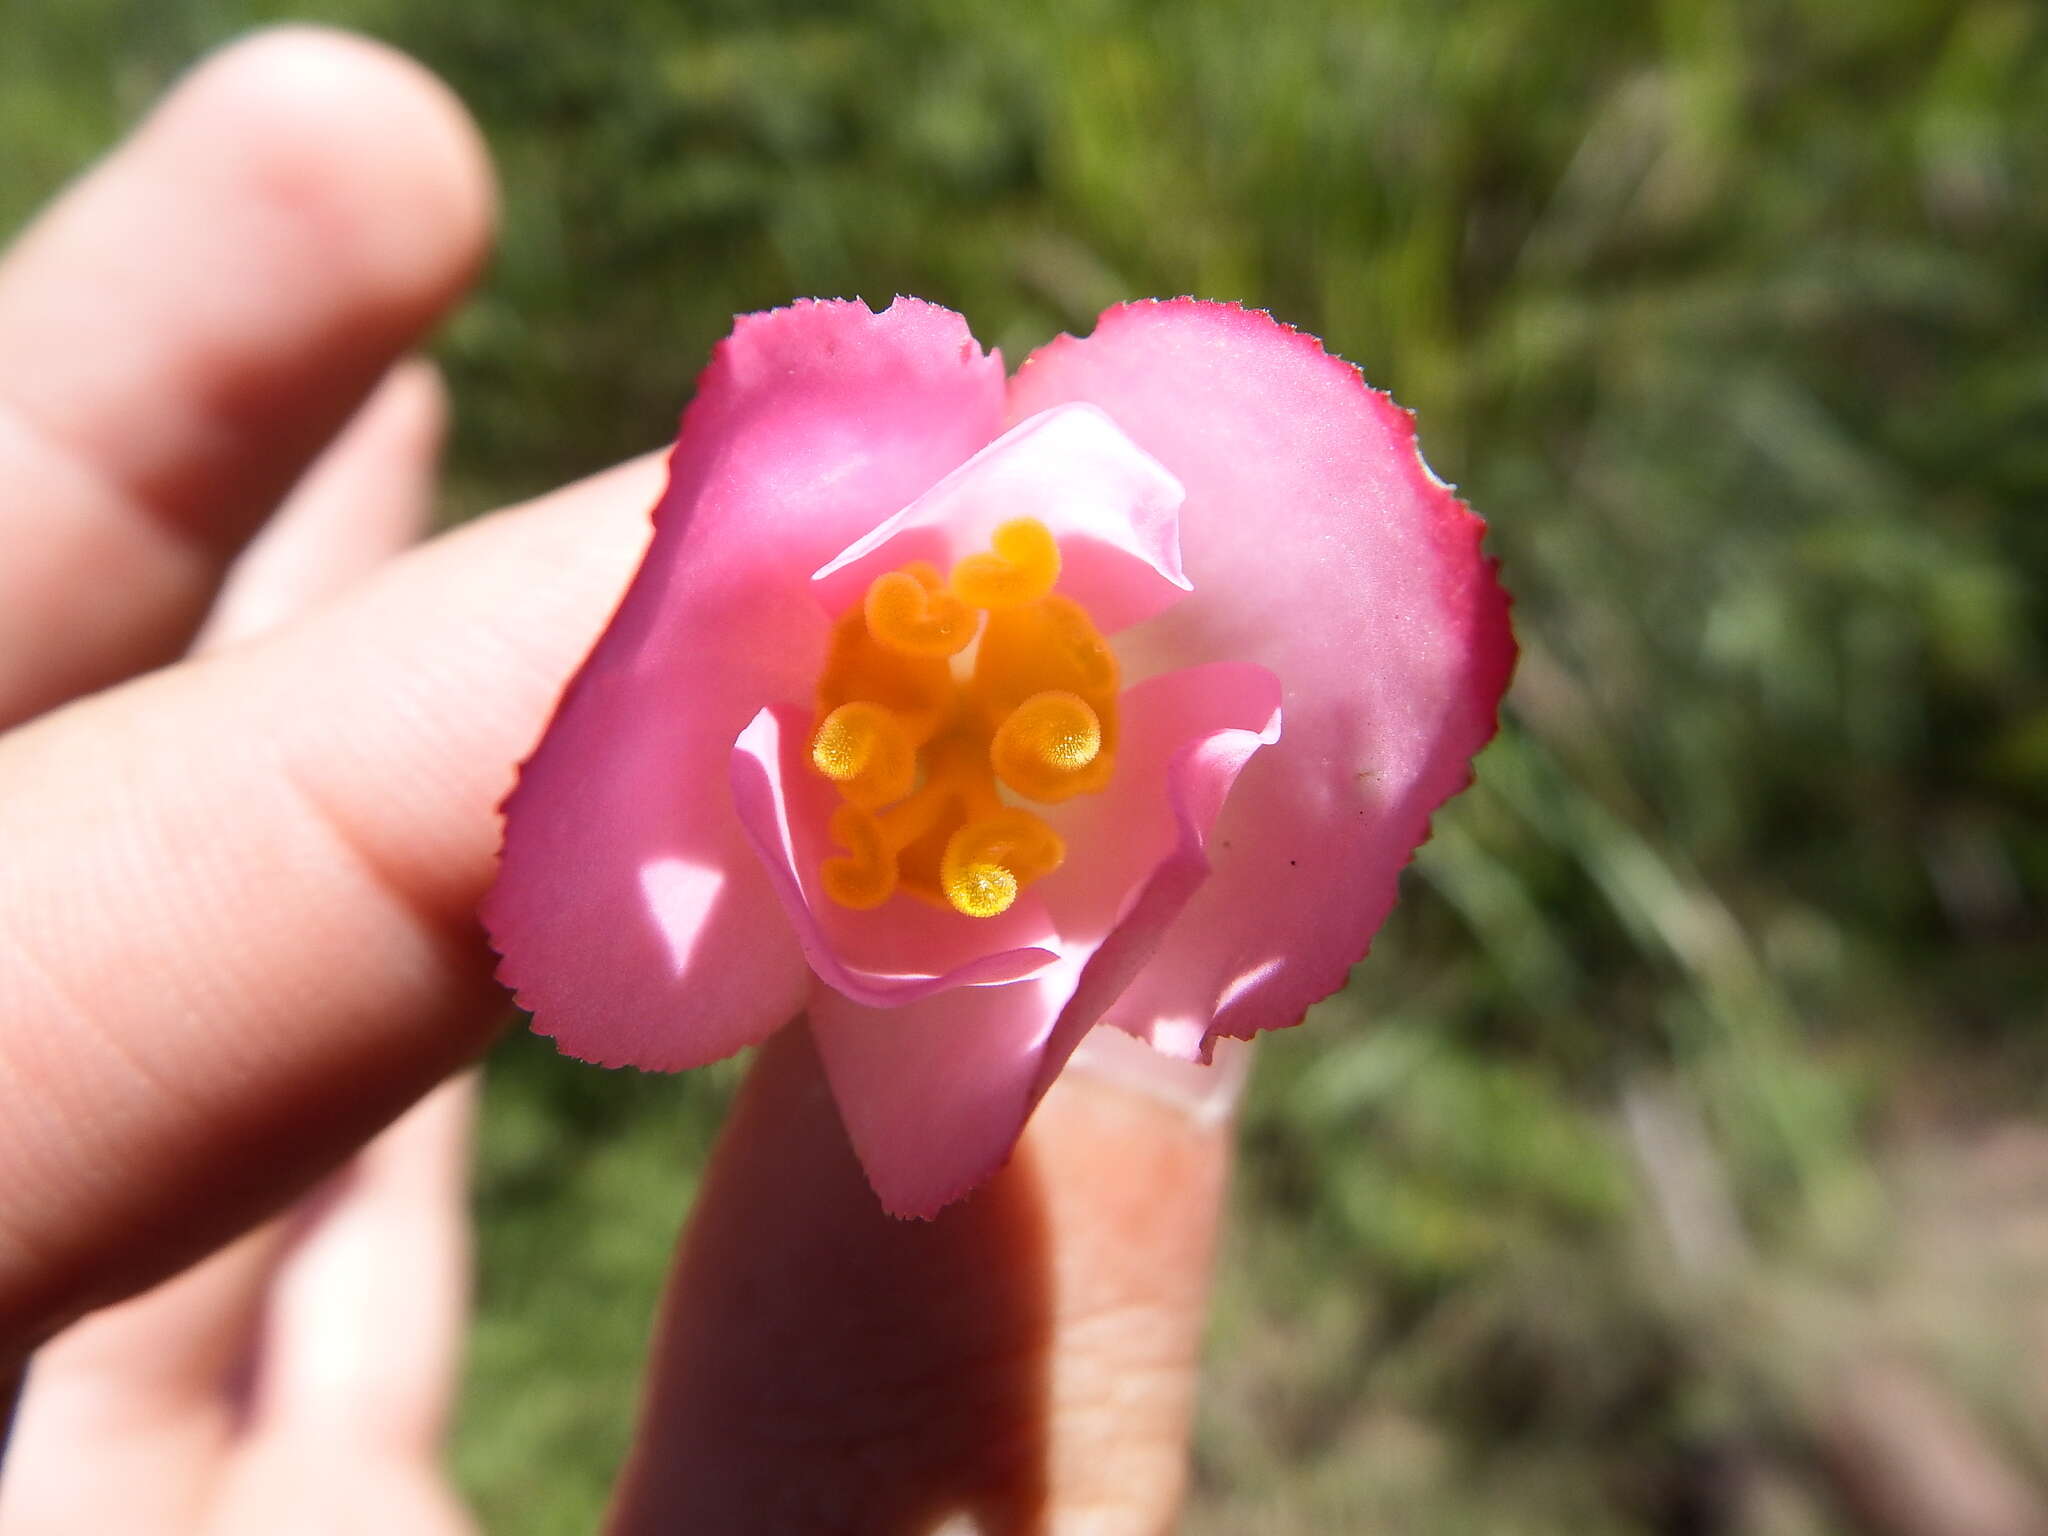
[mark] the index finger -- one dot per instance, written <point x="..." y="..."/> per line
<point x="236" y="916"/>
<point x="183" y="331"/>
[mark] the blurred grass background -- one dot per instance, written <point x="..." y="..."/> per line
<point x="1694" y="1073"/>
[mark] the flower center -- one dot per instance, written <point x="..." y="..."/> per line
<point x="937" y="695"/>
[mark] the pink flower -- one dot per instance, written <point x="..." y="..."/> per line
<point x="965" y="714"/>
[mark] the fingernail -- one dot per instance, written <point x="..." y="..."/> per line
<point x="1209" y="1094"/>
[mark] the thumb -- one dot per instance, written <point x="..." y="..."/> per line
<point x="1026" y="1359"/>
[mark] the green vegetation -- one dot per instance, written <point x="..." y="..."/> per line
<point x="1730" y="318"/>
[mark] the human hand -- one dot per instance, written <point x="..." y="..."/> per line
<point x="236" y="932"/>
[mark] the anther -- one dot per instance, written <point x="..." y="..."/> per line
<point x="1022" y="569"/>
<point x="1046" y="746"/>
<point x="988" y="861"/>
<point x="865" y="750"/>
<point x="908" y="611"/>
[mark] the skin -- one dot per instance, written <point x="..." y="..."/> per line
<point x="237" y="941"/>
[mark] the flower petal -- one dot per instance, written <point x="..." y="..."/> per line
<point x="897" y="953"/>
<point x="1323" y="548"/>
<point x="1187" y="737"/>
<point x="1113" y="510"/>
<point x="633" y="918"/>
<point x="936" y="1093"/>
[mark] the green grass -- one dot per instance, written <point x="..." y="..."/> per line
<point x="1728" y="316"/>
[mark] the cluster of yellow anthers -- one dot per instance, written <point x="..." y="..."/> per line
<point x="918" y="724"/>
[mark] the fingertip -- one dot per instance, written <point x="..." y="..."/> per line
<point x="409" y="411"/>
<point x="372" y="161"/>
<point x="421" y="388"/>
<point x="1207" y="1093"/>
<point x="190" y="325"/>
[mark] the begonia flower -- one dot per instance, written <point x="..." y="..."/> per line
<point x="967" y="714"/>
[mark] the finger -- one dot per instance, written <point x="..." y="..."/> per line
<point x="236" y="930"/>
<point x="358" y="1363"/>
<point x="369" y="496"/>
<point x="187" y="326"/>
<point x="360" y="1302"/>
<point x="160" y="1383"/>
<point x="128" y="1415"/>
<point x="367" y="1311"/>
<point x="291" y="1487"/>
<point x="1026" y="1361"/>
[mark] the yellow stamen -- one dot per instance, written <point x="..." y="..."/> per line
<point x="921" y="756"/>
<point x="1051" y="645"/>
<point x="957" y="788"/>
<point x="1021" y="571"/>
<point x="863" y="749"/>
<point x="908" y="611"/>
<point x="866" y="877"/>
<point x="918" y="690"/>
<point x="987" y="862"/>
<point x="1046" y="747"/>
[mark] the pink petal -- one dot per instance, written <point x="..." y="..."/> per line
<point x="1323" y="548"/>
<point x="901" y="951"/>
<point x="631" y="914"/>
<point x="936" y="1093"/>
<point x="1113" y="510"/>
<point x="1187" y="736"/>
